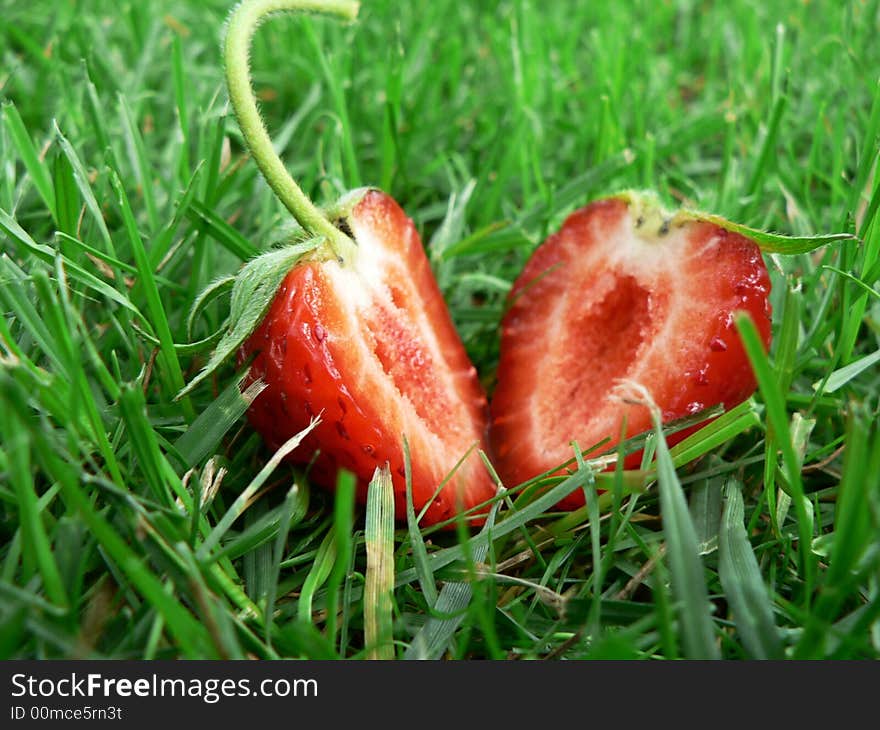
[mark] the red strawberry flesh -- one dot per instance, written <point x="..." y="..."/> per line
<point x="370" y="346"/>
<point x="621" y="293"/>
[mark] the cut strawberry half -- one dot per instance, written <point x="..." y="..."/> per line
<point x="370" y="347"/>
<point x="348" y="326"/>
<point x="624" y="291"/>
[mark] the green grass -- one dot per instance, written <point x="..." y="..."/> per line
<point x="137" y="525"/>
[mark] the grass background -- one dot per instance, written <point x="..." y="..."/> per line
<point x="133" y="525"/>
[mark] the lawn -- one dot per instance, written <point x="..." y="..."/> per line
<point x="135" y="524"/>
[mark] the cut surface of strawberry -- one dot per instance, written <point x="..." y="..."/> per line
<point x="624" y="291"/>
<point x="368" y="344"/>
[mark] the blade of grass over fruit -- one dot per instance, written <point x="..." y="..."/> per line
<point x="722" y="429"/>
<point x="241" y="502"/>
<point x="205" y="432"/>
<point x="778" y="422"/>
<point x="686" y="570"/>
<point x="379" y="577"/>
<point x="598" y="576"/>
<point x="743" y="584"/>
<point x="37" y="169"/>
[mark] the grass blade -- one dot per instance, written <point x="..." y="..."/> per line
<point x="36" y="544"/>
<point x="147" y="281"/>
<point x="205" y="433"/>
<point x="450" y="608"/>
<point x="842" y="376"/>
<point x="378" y="591"/>
<point x="343" y="519"/>
<point x="292" y="511"/>
<point x="743" y="584"/>
<point x="778" y="422"/>
<point x="417" y="542"/>
<point x="241" y="502"/>
<point x="221" y="231"/>
<point x="38" y="171"/>
<point x="686" y="570"/>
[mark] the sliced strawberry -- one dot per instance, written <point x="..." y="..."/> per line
<point x="369" y="345"/>
<point x="622" y="291"/>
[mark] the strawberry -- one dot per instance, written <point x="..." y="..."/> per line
<point x="623" y="291"/>
<point x="369" y="345"/>
<point x="349" y="325"/>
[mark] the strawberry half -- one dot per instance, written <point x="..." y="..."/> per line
<point x="369" y="345"/>
<point x="349" y="325"/>
<point x="622" y="291"/>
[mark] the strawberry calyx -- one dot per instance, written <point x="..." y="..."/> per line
<point x="655" y="222"/>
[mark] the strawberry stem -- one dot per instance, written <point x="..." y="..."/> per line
<point x="239" y="32"/>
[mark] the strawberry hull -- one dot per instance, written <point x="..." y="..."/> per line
<point x="369" y="346"/>
<point x="621" y="292"/>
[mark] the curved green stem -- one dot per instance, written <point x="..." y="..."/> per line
<point x="239" y="32"/>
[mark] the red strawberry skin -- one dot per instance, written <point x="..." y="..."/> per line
<point x="614" y="295"/>
<point x="370" y="346"/>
